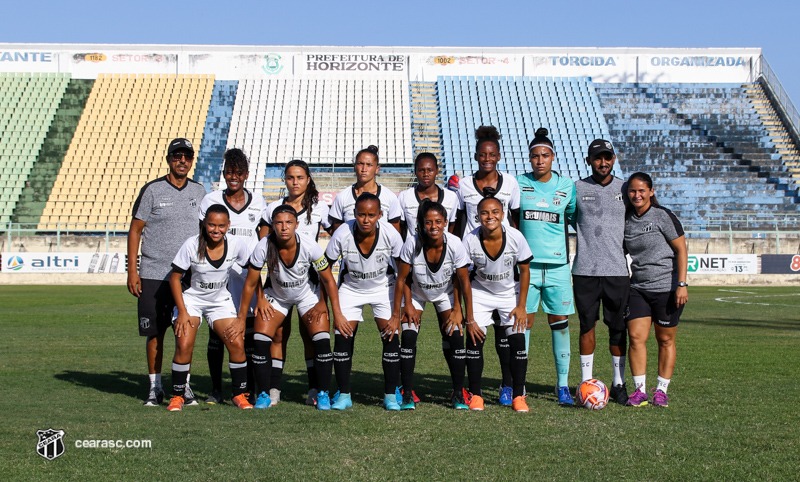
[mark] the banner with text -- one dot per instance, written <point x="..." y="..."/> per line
<point x="780" y="264"/>
<point x="17" y="262"/>
<point x="372" y="65"/>
<point x="723" y="264"/>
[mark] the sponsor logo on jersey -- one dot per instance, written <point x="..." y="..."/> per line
<point x="214" y="285"/>
<point x="243" y="232"/>
<point x="530" y="215"/>
<point x="542" y="204"/>
<point x="495" y="276"/>
<point x="589" y="198"/>
<point x="292" y="284"/>
<point x="359" y="275"/>
<point x="434" y="286"/>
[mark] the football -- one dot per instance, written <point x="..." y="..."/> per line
<point x="592" y="394"/>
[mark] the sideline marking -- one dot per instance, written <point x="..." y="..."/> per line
<point x="739" y="291"/>
<point x="732" y="299"/>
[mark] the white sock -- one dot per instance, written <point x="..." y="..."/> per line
<point x="188" y="376"/>
<point x="618" y="369"/>
<point x="638" y="383"/>
<point x="155" y="379"/>
<point x="663" y="383"/>
<point x="587" y="364"/>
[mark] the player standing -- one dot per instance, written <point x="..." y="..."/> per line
<point x="547" y="204"/>
<point x="368" y="249"/>
<point x="366" y="168"/>
<point x="488" y="181"/>
<point x="302" y="195"/>
<point x="600" y="270"/>
<point x="434" y="258"/>
<point x="164" y="215"/>
<point x="245" y="216"/>
<point x="499" y="255"/>
<point x="659" y="261"/>
<point x="296" y="264"/>
<point x="211" y="257"/>
<point x="426" y="170"/>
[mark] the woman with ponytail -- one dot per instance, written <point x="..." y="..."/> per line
<point x="312" y="215"/>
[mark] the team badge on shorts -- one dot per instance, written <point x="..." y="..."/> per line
<point x="50" y="444"/>
<point x="144" y="323"/>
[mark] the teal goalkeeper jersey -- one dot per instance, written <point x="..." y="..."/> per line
<point x="545" y="210"/>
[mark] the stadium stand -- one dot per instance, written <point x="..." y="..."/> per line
<point x="208" y="167"/>
<point x="705" y="145"/>
<point x="517" y="106"/>
<point x="120" y="142"/>
<point x="28" y="104"/>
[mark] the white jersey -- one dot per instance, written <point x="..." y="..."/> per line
<point x="409" y="206"/>
<point x="209" y="279"/>
<point x="496" y="275"/>
<point x="294" y="282"/>
<point x="319" y="217"/>
<point x="469" y="197"/>
<point x="245" y="222"/>
<point x="431" y="280"/>
<point x="343" y="207"/>
<point x="365" y="271"/>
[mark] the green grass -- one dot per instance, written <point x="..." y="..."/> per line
<point x="71" y="359"/>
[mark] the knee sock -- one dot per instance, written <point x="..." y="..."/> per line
<point x="248" y="354"/>
<point x="322" y="365"/>
<point x="311" y="372"/>
<point x="276" y="374"/>
<point x="559" y="332"/>
<point x="458" y="359"/>
<point x="262" y="361"/>
<point x="587" y="366"/>
<point x="503" y="354"/>
<point x="238" y="376"/>
<point x="618" y="369"/>
<point x="343" y="360"/>
<point x="527" y="340"/>
<point x="155" y="380"/>
<point x="474" y="365"/>
<point x="179" y="373"/>
<point x="215" y="354"/>
<point x="391" y="364"/>
<point x="408" y="355"/>
<point x="519" y="361"/>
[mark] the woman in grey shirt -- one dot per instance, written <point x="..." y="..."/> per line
<point x="657" y="247"/>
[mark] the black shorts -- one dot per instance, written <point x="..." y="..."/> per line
<point x="660" y="307"/>
<point x="155" y="307"/>
<point x="612" y="291"/>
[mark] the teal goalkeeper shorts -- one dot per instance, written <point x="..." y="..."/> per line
<point x="551" y="284"/>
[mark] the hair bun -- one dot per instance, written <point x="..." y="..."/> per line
<point x="373" y="149"/>
<point x="541" y="132"/>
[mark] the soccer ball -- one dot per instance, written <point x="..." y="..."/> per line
<point x="592" y="394"/>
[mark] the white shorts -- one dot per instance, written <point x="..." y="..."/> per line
<point x="210" y="310"/>
<point x="353" y="302"/>
<point x="443" y="302"/>
<point x="235" y="286"/>
<point x="303" y="304"/>
<point x="484" y="303"/>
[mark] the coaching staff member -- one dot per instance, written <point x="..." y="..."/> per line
<point x="164" y="216"/>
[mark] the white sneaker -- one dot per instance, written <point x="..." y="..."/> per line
<point x="274" y="396"/>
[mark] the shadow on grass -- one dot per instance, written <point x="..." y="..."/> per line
<point x="130" y="384"/>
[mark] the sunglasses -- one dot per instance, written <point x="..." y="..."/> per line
<point x="177" y="156"/>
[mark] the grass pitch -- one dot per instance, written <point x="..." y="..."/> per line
<point x="71" y="359"/>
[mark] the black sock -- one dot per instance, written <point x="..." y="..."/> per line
<point x="519" y="362"/>
<point x="408" y="358"/>
<point x="216" y="355"/>
<point x="311" y="372"/>
<point x="238" y="376"/>
<point x="248" y="353"/>
<point x="503" y="354"/>
<point x="179" y="373"/>
<point x="262" y="361"/>
<point x="474" y="365"/>
<point x="343" y="360"/>
<point x="458" y="359"/>
<point x="391" y="363"/>
<point x="277" y="373"/>
<point x="323" y="363"/>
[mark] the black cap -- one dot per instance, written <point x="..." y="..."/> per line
<point x="180" y="144"/>
<point x="599" y="146"/>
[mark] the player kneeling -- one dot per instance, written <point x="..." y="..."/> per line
<point x="433" y="257"/>
<point x="291" y="281"/>
<point x="210" y="257"/>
